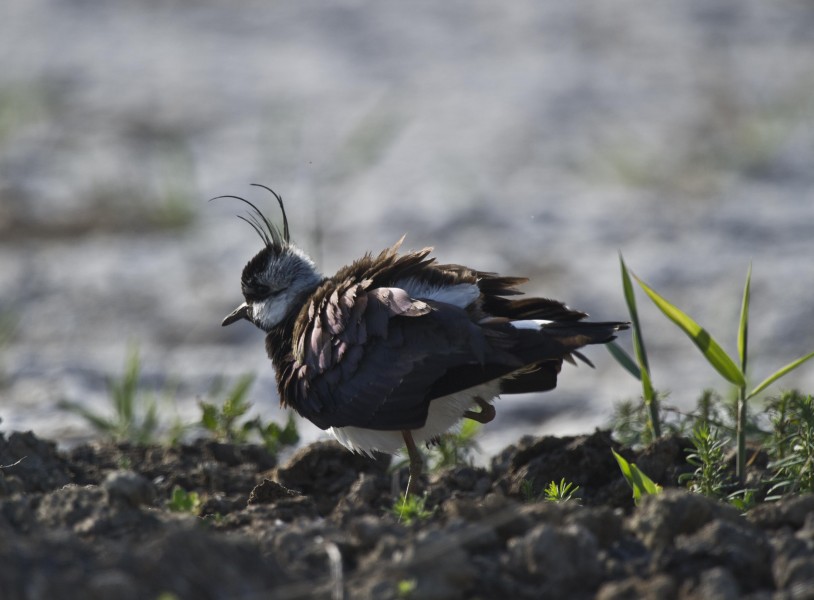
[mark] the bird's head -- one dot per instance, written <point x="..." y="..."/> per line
<point x="274" y="280"/>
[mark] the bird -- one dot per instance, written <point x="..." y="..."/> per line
<point x="396" y="349"/>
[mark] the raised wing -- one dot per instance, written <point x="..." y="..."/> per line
<point x="370" y="358"/>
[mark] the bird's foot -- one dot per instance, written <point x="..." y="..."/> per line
<point x="484" y="415"/>
<point x="416" y="463"/>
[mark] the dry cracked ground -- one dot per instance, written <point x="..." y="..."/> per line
<point x="94" y="522"/>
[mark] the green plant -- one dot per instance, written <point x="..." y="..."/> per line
<point x="456" y="448"/>
<point x="639" y="368"/>
<point x="711" y="410"/>
<point x="630" y="420"/>
<point x="135" y="416"/>
<point x="184" y="501"/>
<point x="707" y="456"/>
<point x="553" y="492"/>
<point x="224" y="422"/>
<point x="791" y="446"/>
<point x="743" y="500"/>
<point x="561" y="492"/>
<point x="719" y="359"/>
<point x="629" y="423"/>
<point x="449" y="449"/>
<point x="640" y="483"/>
<point x="527" y="491"/>
<point x="405" y="588"/>
<point x="411" y="508"/>
<point x="274" y="437"/>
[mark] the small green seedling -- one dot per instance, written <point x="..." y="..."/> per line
<point x="640" y="483"/>
<point x="224" y="422"/>
<point x="184" y="501"/>
<point x="405" y="588"/>
<point x="410" y="509"/>
<point x="742" y="500"/>
<point x="275" y="437"/>
<point x="708" y="457"/>
<point x="456" y="448"/>
<point x="553" y="492"/>
<point x="561" y="492"/>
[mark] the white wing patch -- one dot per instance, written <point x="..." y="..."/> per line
<point x="530" y="324"/>
<point x="460" y="294"/>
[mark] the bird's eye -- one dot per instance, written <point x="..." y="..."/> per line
<point x="256" y="291"/>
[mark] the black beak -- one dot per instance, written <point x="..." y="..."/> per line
<point x="241" y="312"/>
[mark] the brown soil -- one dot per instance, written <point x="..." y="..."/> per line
<point x="94" y="523"/>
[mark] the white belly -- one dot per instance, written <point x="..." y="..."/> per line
<point x="444" y="413"/>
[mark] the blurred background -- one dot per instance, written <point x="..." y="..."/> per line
<point x="537" y="138"/>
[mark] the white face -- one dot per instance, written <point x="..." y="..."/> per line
<point x="286" y="277"/>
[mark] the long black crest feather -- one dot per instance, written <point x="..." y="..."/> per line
<point x="286" y="235"/>
<point x="259" y="222"/>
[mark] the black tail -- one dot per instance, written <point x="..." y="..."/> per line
<point x="541" y="374"/>
<point x="583" y="333"/>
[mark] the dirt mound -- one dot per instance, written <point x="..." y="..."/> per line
<point x="94" y="523"/>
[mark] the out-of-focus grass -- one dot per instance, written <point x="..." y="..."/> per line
<point x="22" y="106"/>
<point x="791" y="445"/>
<point x="226" y="422"/>
<point x="8" y="330"/>
<point x="134" y="416"/>
<point x="362" y="148"/>
<point x="727" y="134"/>
<point x="184" y="501"/>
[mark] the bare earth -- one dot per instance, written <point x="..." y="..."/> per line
<point x="93" y="523"/>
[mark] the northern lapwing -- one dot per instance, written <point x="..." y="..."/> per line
<point x="395" y="349"/>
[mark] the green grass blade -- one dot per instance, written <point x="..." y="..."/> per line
<point x="97" y="421"/>
<point x="743" y="328"/>
<point x="624" y="359"/>
<point x="124" y="390"/>
<point x="236" y="405"/>
<point x="779" y="373"/>
<point x="640" y="483"/>
<point x="630" y="299"/>
<point x="648" y="393"/>
<point x="712" y="351"/>
<point x="647" y="389"/>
